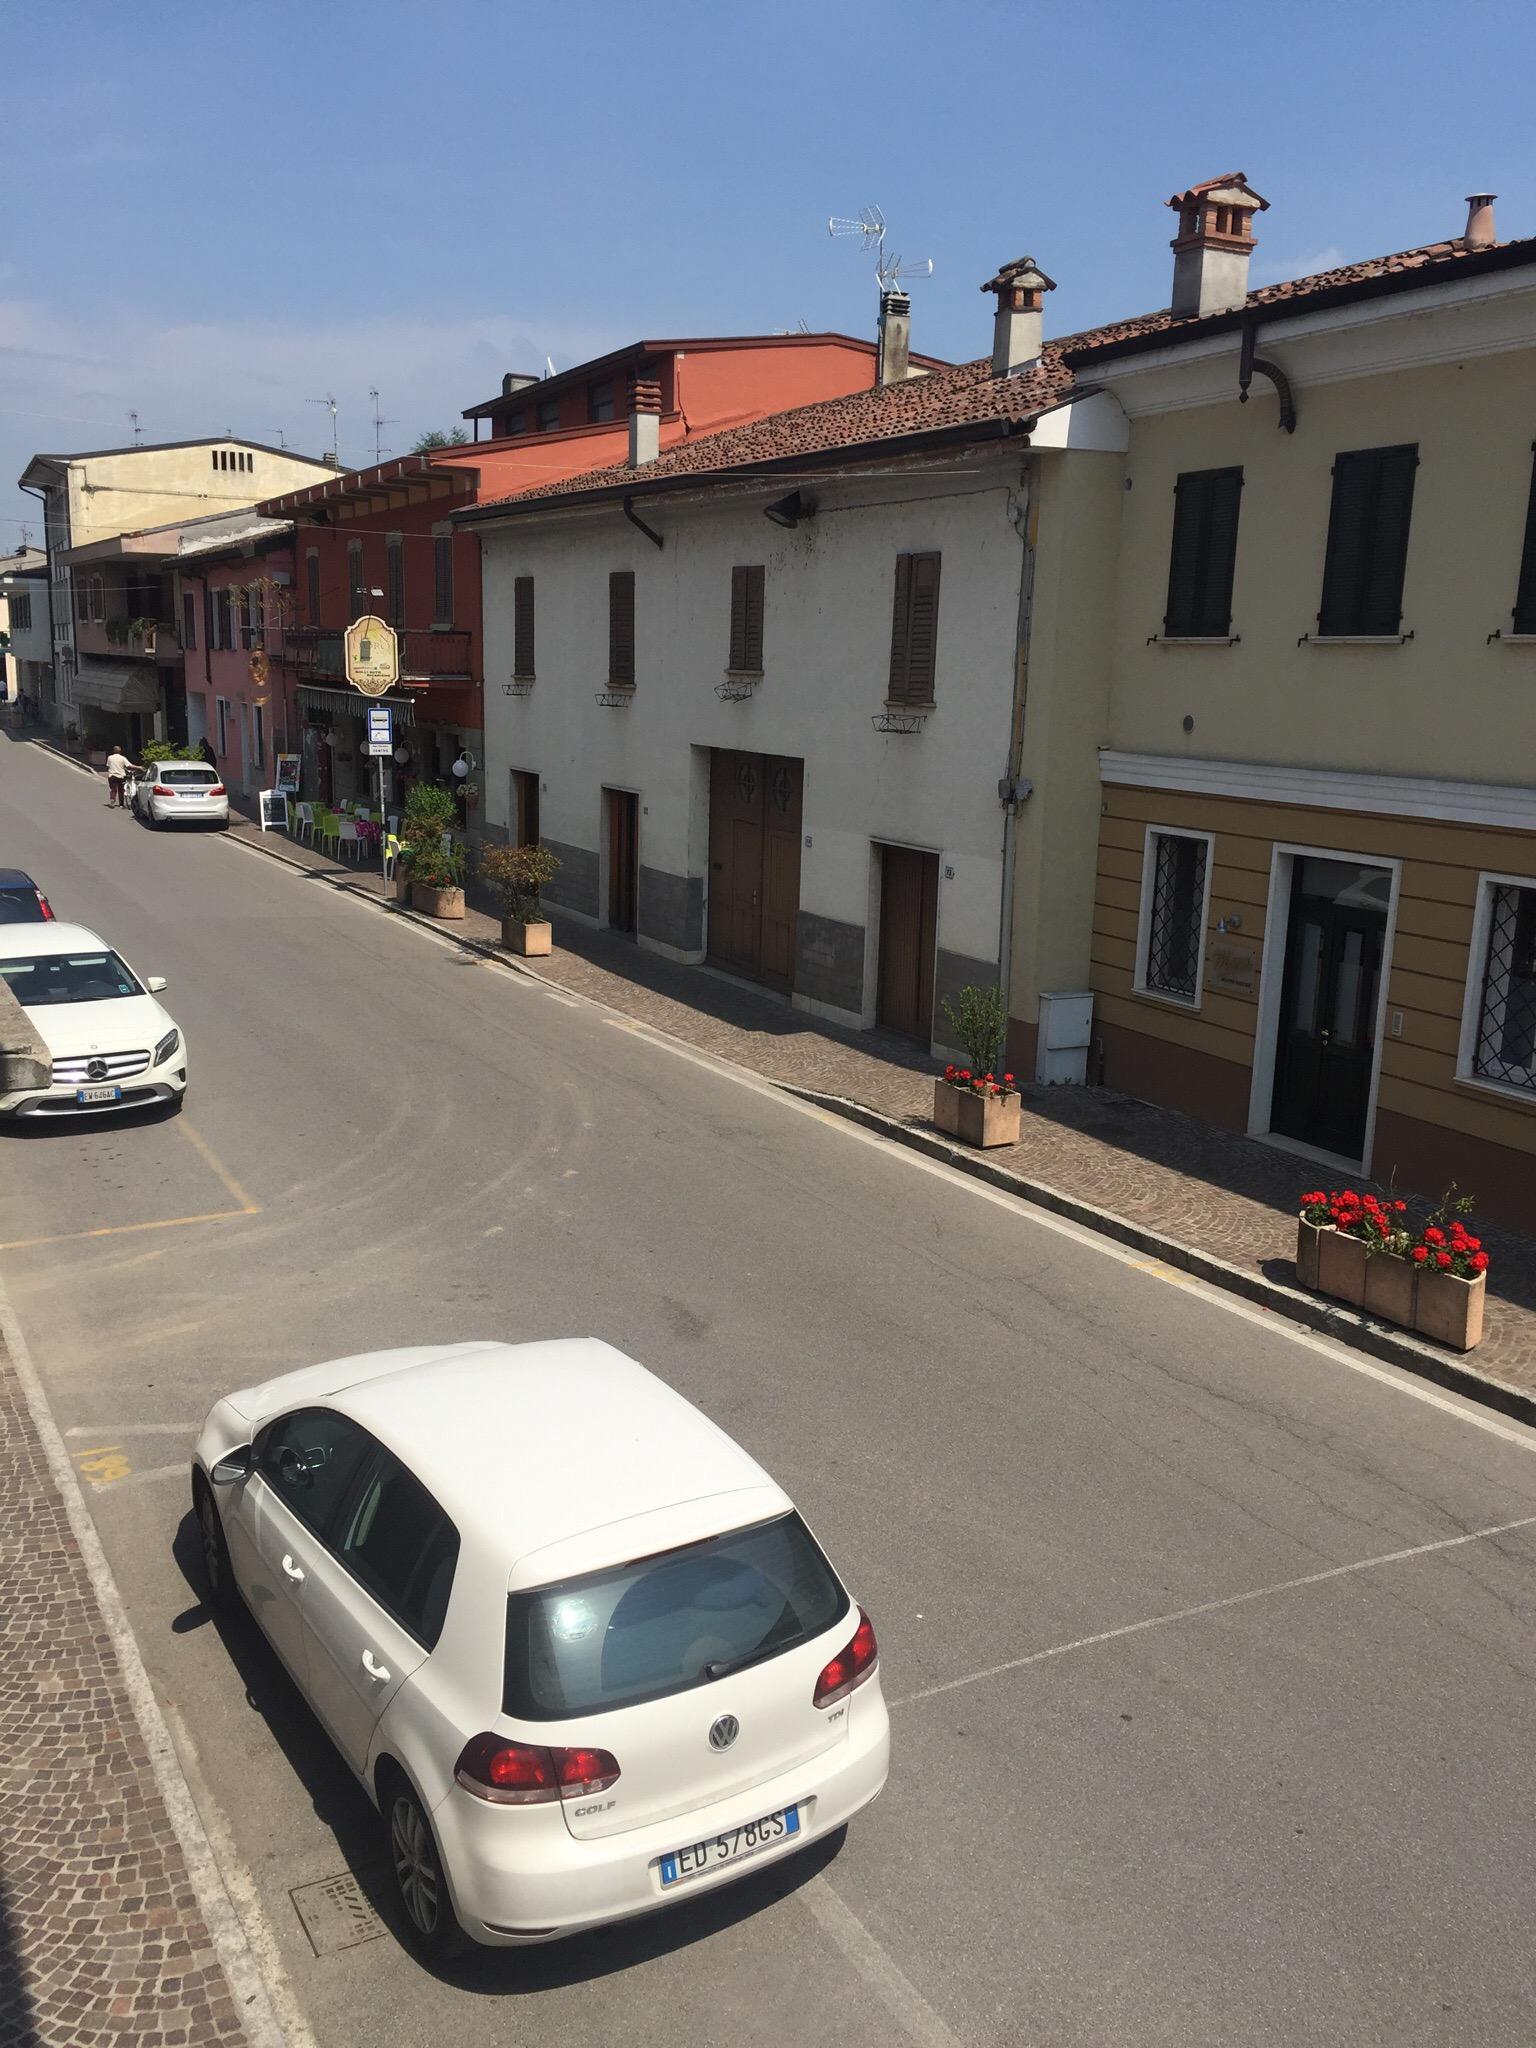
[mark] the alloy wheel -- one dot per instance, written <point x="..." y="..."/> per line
<point x="208" y="1524"/>
<point x="415" y="1863"/>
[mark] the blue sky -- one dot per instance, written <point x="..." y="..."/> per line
<point x="220" y="213"/>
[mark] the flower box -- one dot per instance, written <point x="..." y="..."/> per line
<point x="980" y="1120"/>
<point x="1341" y="1263"/>
<point x="1389" y="1288"/>
<point x="444" y="903"/>
<point x="1450" y="1310"/>
<point x="531" y="937"/>
<point x="1309" y="1238"/>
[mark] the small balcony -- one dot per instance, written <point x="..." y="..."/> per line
<point x="427" y="654"/>
<point x="128" y="639"/>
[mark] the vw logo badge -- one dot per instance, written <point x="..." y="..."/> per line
<point x="96" y="1070"/>
<point x="724" y="1732"/>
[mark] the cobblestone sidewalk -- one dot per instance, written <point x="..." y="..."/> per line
<point x="101" y="1937"/>
<point x="1213" y="1190"/>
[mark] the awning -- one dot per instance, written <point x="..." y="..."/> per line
<point x="124" y="686"/>
<point x="352" y="703"/>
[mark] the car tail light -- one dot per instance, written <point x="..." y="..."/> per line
<point x="47" y="907"/>
<point x="218" y="789"/>
<point x="523" y="1774"/>
<point x="162" y="789"/>
<point x="850" y="1667"/>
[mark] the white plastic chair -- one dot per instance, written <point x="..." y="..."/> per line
<point x="347" y="834"/>
<point x="304" y="821"/>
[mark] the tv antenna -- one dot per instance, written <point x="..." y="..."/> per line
<point x="379" y="424"/>
<point x="138" y="431"/>
<point x="891" y="270"/>
<point x="329" y="401"/>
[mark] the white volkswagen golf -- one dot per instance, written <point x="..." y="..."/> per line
<point x="581" y="1671"/>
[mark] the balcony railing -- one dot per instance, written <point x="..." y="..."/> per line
<point x="427" y="654"/>
<point x="128" y="639"/>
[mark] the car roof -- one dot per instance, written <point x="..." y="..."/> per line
<point x="532" y="1445"/>
<point x="30" y="940"/>
<point x="14" y="878"/>
<point x="184" y="761"/>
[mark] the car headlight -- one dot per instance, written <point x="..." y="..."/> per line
<point x="166" y="1047"/>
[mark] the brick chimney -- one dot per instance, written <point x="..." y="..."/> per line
<point x="1017" y="329"/>
<point x="644" y="421"/>
<point x="1212" y="249"/>
<point x="893" y="362"/>
<point x="1481" y="233"/>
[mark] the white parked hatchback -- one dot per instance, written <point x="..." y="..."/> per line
<point x="181" y="793"/>
<point x="113" y="1046"/>
<point x="581" y="1671"/>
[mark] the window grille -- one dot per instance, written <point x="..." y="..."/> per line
<point x="1506" y="1033"/>
<point x="1172" y="965"/>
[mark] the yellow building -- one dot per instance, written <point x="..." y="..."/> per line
<point x="1314" y="910"/>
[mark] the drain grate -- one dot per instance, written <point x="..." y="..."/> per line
<point x="336" y="1914"/>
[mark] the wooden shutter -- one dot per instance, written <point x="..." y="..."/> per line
<point x="442" y="594"/>
<point x="1525" y="593"/>
<point x="522" y="626"/>
<point x="396" y="582"/>
<point x="1204" y="554"/>
<point x="621" y="629"/>
<point x="746" y="655"/>
<point x="312" y="570"/>
<point x="1368" y="541"/>
<point x="210" y="618"/>
<point x="914" y="629"/>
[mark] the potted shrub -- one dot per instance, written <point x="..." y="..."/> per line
<point x="517" y="874"/>
<point x="430" y="854"/>
<point x="973" y="1103"/>
<point x="1452" y="1270"/>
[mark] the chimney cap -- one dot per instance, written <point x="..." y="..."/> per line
<point x="1025" y="272"/>
<point x="1234" y="188"/>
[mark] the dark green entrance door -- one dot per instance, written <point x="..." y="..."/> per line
<point x="1327" y="1048"/>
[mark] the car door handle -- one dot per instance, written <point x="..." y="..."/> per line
<point x="374" y="1670"/>
<point x="292" y="1570"/>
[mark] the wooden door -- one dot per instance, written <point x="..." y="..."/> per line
<point x="525" y="808"/>
<point x="623" y="859"/>
<point x="909" y="927"/>
<point x="1335" y="940"/>
<point x="755" y="808"/>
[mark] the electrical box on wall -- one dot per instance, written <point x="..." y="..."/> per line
<point x="1066" y="1026"/>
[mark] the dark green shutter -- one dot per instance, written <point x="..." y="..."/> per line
<point x="522" y="626"/>
<point x="1203" y="556"/>
<point x="738" y="654"/>
<point x="621" y="629"/>
<point x="896" y="688"/>
<point x="1525" y="593"/>
<point x="1368" y="541"/>
<point x="747" y="619"/>
<point x="915" y="629"/>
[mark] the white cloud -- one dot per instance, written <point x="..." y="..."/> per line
<point x="1276" y="269"/>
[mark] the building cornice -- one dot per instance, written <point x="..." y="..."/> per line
<point x="1494" y="805"/>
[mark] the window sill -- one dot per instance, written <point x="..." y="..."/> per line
<point x="903" y="709"/>
<point x="1194" y="639"/>
<point x="1507" y="1091"/>
<point x="1513" y="639"/>
<point x="744" y="675"/>
<point x="440" y="626"/>
<point x="1190" y="1005"/>
<point x="1354" y="639"/>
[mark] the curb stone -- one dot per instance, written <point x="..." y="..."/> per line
<point x="1328" y="1319"/>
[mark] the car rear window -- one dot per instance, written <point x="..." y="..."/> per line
<point x="20" y="906"/>
<point x="663" y="1624"/>
<point x="68" y="978"/>
<point x="180" y="778"/>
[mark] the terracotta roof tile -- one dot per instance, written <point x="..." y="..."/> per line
<point x="966" y="394"/>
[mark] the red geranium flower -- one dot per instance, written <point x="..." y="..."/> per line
<point x="1418" y="1255"/>
<point x="1434" y="1236"/>
<point x="1442" y="1260"/>
<point x="1479" y="1262"/>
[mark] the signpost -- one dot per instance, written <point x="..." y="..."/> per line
<point x="373" y="666"/>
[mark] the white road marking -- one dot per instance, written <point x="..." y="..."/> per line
<point x="255" y="1995"/>
<point x="134" y="1429"/>
<point x="896" y="1992"/>
<point x="1136" y="1628"/>
<point x="1017" y="1205"/>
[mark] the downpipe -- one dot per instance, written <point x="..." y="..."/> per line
<point x="1020" y="514"/>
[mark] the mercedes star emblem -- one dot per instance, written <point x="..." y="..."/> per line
<point x="96" y="1070"/>
<point x="724" y="1732"/>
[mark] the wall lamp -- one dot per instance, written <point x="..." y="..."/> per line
<point x="791" y="510"/>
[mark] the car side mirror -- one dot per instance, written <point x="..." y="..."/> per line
<point x="155" y="982"/>
<point x="235" y="1465"/>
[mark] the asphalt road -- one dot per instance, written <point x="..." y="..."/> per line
<point x="1208" y="1728"/>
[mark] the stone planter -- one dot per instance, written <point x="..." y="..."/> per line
<point x="400" y="882"/>
<point x="1450" y="1311"/>
<point x="980" y="1120"/>
<point x="444" y="903"/>
<point x="1308" y="1241"/>
<point x="533" y="939"/>
<point x="1341" y="1263"/>
<point x="1389" y="1289"/>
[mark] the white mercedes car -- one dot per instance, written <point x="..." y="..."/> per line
<point x="113" y="1046"/>
<point x="580" y="1649"/>
<point x="181" y="793"/>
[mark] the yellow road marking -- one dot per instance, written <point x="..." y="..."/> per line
<point x="1161" y="1272"/>
<point x="26" y="1244"/>
<point x="206" y="1153"/>
<point x="104" y="1465"/>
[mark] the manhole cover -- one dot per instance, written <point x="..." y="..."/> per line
<point x="335" y="1913"/>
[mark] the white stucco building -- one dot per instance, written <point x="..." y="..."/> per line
<point x="764" y="696"/>
<point x="24" y="628"/>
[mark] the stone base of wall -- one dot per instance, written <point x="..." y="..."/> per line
<point x="575" y="886"/>
<point x="829" y="961"/>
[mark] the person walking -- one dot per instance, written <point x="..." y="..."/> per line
<point x="119" y="768"/>
<point x="206" y="749"/>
